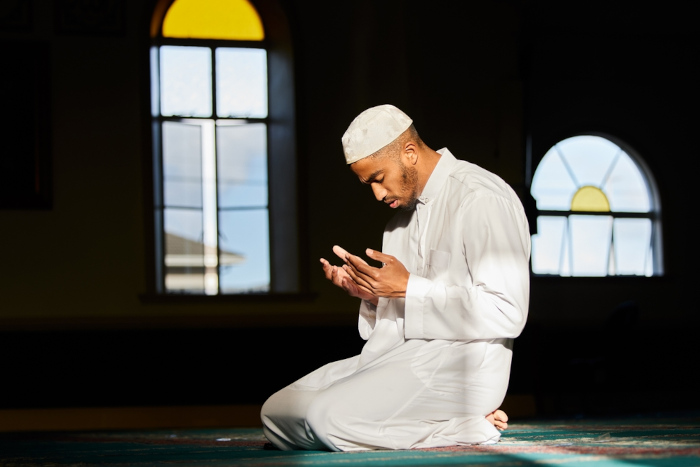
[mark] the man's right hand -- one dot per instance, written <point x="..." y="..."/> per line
<point x="341" y="278"/>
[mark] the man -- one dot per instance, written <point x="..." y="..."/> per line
<point x="439" y="312"/>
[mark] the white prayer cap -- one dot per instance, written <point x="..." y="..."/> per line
<point x="372" y="130"/>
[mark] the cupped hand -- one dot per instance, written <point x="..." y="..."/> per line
<point x="338" y="276"/>
<point x="389" y="281"/>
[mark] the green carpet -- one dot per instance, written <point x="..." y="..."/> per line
<point x="643" y="441"/>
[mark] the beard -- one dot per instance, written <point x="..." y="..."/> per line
<point x="409" y="184"/>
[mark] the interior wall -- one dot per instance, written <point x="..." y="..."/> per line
<point x="624" y="72"/>
<point x="486" y="79"/>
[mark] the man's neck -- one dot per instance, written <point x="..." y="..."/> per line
<point x="428" y="161"/>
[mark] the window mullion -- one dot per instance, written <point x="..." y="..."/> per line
<point x="566" y="246"/>
<point x="209" y="208"/>
<point x="610" y="169"/>
<point x="217" y="210"/>
<point x="159" y="211"/>
<point x="612" y="263"/>
<point x="567" y="167"/>
<point x="213" y="83"/>
<point x="216" y="251"/>
<point x="650" y="256"/>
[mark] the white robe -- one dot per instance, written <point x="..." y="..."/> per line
<point x="437" y="361"/>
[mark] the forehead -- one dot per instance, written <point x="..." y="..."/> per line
<point x="370" y="167"/>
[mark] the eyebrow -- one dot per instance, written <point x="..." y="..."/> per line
<point x="372" y="176"/>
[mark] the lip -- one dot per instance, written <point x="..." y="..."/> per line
<point x="394" y="204"/>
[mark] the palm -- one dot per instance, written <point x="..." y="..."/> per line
<point x="351" y="287"/>
<point x="342" y="279"/>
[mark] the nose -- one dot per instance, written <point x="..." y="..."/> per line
<point x="379" y="192"/>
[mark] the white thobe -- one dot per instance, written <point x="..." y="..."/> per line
<point x="437" y="361"/>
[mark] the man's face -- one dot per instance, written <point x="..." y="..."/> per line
<point x="392" y="180"/>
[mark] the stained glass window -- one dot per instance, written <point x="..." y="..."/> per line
<point x="597" y="211"/>
<point x="213" y="19"/>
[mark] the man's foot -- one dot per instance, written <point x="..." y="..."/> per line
<point x="499" y="419"/>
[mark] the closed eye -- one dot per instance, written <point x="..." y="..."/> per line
<point x="373" y="178"/>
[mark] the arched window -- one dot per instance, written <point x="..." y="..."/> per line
<point x="598" y="212"/>
<point x="222" y="137"/>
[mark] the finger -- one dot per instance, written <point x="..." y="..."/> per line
<point x="327" y="268"/>
<point x="340" y="252"/>
<point x="341" y="273"/>
<point x="354" y="289"/>
<point x="364" y="289"/>
<point x="357" y="288"/>
<point x="344" y="255"/>
<point x="359" y="279"/>
<point x="379" y="256"/>
<point x="348" y="285"/>
<point x="358" y="276"/>
<point x="340" y="278"/>
<point x="361" y="266"/>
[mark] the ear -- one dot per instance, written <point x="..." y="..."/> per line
<point x="410" y="153"/>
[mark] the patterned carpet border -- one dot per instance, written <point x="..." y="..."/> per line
<point x="644" y="442"/>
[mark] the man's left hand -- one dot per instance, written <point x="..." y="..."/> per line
<point x="388" y="281"/>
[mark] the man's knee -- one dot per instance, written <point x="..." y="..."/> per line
<point x="317" y="413"/>
<point x="267" y="408"/>
<point x="275" y="408"/>
<point x="323" y="416"/>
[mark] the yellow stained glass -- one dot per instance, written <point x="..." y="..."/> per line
<point x="590" y="198"/>
<point x="213" y="19"/>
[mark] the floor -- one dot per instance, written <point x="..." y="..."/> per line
<point x="649" y="440"/>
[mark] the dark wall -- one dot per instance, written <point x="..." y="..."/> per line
<point x="495" y="81"/>
<point x="620" y="343"/>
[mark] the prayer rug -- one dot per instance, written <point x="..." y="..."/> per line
<point x="643" y="441"/>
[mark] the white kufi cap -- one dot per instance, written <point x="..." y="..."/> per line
<point x="372" y="130"/>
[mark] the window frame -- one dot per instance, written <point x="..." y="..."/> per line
<point x="654" y="213"/>
<point x="283" y="207"/>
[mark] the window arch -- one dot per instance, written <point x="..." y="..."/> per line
<point x="598" y="212"/>
<point x="224" y="162"/>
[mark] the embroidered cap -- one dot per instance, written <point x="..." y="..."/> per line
<point x="372" y="130"/>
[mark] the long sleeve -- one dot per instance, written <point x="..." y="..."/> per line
<point x="476" y="283"/>
<point x="367" y="319"/>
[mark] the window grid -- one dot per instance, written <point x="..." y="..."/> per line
<point x="613" y="246"/>
<point x="213" y="269"/>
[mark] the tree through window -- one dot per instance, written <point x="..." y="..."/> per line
<point x="597" y="212"/>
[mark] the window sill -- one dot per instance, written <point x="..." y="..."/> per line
<point x="602" y="279"/>
<point x="159" y="299"/>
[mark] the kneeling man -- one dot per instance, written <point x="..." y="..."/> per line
<point x="439" y="312"/>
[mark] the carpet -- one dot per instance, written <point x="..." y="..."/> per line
<point x="630" y="441"/>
